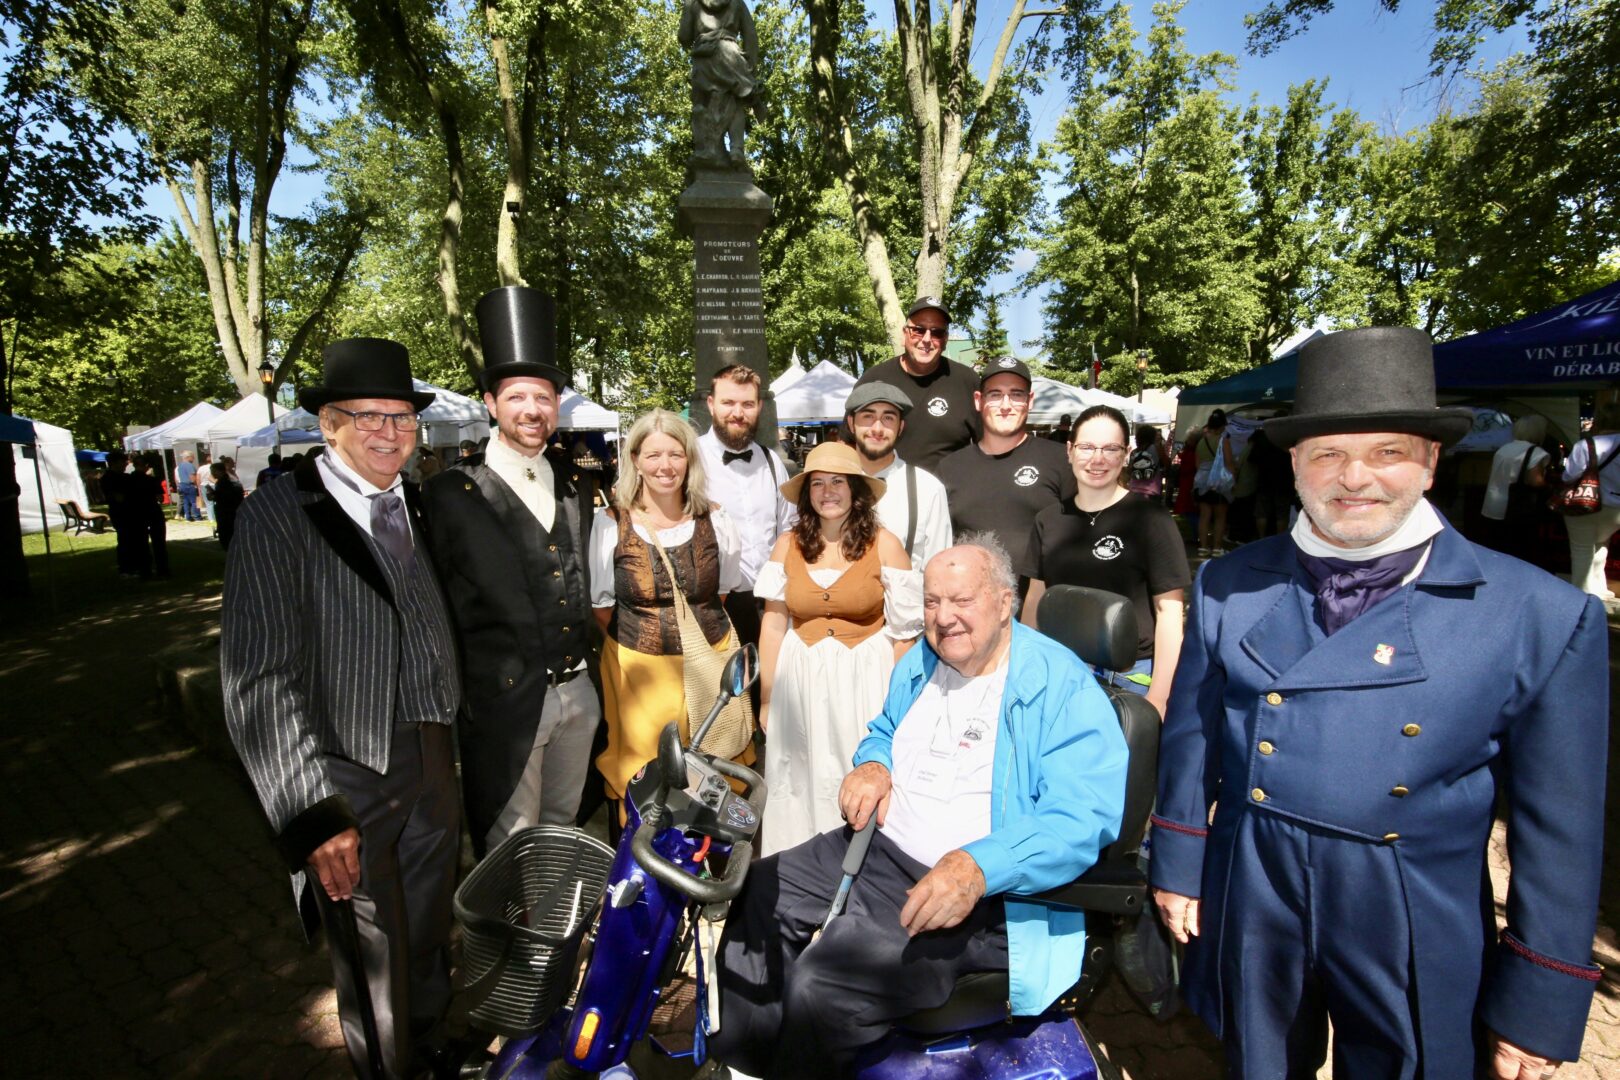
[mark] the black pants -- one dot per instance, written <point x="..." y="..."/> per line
<point x="744" y="612"/>
<point x="410" y="826"/>
<point x="792" y="1009"/>
<point x="134" y="557"/>
<point x="157" y="534"/>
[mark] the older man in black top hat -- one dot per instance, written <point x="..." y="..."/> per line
<point x="340" y="687"/>
<point x="1357" y="701"/>
<point x="507" y="532"/>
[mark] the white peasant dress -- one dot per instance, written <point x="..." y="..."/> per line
<point x="822" y="700"/>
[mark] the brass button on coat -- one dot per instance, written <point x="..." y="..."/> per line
<point x="556" y="573"/>
<point x="551" y="547"/>
<point x="1412" y="729"/>
<point x="563" y="602"/>
<point x="509" y="682"/>
<point x="1266" y="748"/>
<point x="1400" y="791"/>
<point x="830" y="631"/>
<point x="1274" y="698"/>
<point x="565" y="630"/>
<point x="1391" y="836"/>
<point x="469" y="487"/>
<point x="1258" y="794"/>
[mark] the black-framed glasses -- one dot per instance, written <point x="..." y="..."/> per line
<point x="938" y="333"/>
<point x="1111" y="452"/>
<point x="373" y="421"/>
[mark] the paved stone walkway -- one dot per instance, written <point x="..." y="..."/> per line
<point x="151" y="927"/>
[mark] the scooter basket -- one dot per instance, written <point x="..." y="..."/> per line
<point x="523" y="912"/>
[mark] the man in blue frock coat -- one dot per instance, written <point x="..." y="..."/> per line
<point x="1353" y="700"/>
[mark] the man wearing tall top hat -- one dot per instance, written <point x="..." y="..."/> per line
<point x="507" y="532"/>
<point x="340" y="682"/>
<point x="1354" y="700"/>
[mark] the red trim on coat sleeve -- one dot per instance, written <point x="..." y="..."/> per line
<point x="1176" y="826"/>
<point x="1590" y="974"/>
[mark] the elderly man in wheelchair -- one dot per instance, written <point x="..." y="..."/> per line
<point x="997" y="774"/>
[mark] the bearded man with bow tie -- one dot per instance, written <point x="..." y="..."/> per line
<point x="1354" y="700"/>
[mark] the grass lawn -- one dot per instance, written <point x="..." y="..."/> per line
<point x="81" y="574"/>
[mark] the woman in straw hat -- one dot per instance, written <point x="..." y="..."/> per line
<point x="842" y="603"/>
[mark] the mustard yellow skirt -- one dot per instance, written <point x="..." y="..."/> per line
<point x="641" y="694"/>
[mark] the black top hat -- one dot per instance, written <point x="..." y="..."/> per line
<point x="1377" y="379"/>
<point x="364" y="367"/>
<point x="518" y="328"/>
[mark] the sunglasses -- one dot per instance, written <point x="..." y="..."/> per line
<point x="938" y="333"/>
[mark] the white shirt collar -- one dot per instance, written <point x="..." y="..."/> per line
<point x="504" y="459"/>
<point x="1420" y="526"/>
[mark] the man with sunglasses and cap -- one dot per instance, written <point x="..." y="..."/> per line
<point x="508" y="535"/>
<point x="941" y="389"/>
<point x="1001" y="482"/>
<point x="913" y="504"/>
<point x="1355" y="700"/>
<point x="340" y="684"/>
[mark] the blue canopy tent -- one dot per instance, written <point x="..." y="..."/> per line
<point x="1569" y="347"/>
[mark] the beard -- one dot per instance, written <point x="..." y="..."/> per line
<point x="1363" y="530"/>
<point x="865" y="449"/>
<point x="735" y="434"/>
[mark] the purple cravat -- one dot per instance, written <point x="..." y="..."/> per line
<point x="1345" y="589"/>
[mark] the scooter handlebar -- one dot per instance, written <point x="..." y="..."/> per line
<point x="703" y="890"/>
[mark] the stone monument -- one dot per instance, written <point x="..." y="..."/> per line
<point x="722" y="209"/>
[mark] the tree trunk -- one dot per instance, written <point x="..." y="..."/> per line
<point x="13" y="567"/>
<point x="826" y="34"/>
<point x="510" y="215"/>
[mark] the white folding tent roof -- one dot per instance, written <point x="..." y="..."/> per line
<point x="818" y="396"/>
<point x="245" y="416"/>
<point x="1054" y="399"/>
<point x="579" y="413"/>
<point x="161" y="436"/>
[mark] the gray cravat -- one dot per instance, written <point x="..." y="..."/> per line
<point x="390" y="529"/>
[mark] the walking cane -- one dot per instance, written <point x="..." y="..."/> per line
<point x="853" y="858"/>
<point x="368" y="1015"/>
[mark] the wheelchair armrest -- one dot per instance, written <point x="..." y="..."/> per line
<point x="1116" y="887"/>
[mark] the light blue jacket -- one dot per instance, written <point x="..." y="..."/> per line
<point x="1055" y="800"/>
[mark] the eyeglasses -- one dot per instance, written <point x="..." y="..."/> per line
<point x="938" y="333"/>
<point x="373" y="421"/>
<point x="1112" y="452"/>
<point x="1016" y="397"/>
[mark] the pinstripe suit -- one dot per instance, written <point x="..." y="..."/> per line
<point x="340" y="684"/>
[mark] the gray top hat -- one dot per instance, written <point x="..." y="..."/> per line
<point x="1377" y="379"/>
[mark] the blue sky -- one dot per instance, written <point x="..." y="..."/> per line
<point x="1375" y="62"/>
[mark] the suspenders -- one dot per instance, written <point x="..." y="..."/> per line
<point x="911" y="507"/>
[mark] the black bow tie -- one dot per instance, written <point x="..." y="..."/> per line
<point x="727" y="457"/>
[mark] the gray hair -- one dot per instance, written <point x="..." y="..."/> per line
<point x="997" y="563"/>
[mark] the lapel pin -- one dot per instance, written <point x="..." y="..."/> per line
<point x="1384" y="654"/>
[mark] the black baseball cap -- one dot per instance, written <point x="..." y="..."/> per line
<point x="923" y="303"/>
<point x="1005" y="365"/>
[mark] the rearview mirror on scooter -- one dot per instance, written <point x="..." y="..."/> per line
<point x="671" y="758"/>
<point x="742" y="668"/>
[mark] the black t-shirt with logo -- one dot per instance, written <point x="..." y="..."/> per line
<point x="1132" y="549"/>
<point x="1002" y="493"/>
<point x="942" y="417"/>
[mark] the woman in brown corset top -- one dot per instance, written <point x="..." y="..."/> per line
<point x="660" y="489"/>
<point x="842" y="603"/>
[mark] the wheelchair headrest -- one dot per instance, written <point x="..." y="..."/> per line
<point x="1100" y="627"/>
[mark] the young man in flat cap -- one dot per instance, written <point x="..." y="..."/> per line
<point x="1355" y="700"/>
<point x="340" y="683"/>
<point x="913" y="505"/>
<point x="945" y="417"/>
<point x="507" y="533"/>
<point x="1000" y="483"/>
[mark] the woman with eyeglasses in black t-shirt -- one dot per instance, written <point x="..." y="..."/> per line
<point x="1108" y="537"/>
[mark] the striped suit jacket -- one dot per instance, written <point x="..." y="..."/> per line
<point x="310" y="647"/>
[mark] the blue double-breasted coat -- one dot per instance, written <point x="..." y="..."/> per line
<point x="1381" y="751"/>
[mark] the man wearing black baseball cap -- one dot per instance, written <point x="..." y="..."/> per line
<point x="1001" y="482"/>
<point x="941" y="389"/>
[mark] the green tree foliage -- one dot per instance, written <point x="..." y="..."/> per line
<point x="992" y="333"/>
<point x="67" y="186"/>
<point x="1146" y="248"/>
<point x="139" y="347"/>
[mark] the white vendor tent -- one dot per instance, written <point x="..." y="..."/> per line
<point x="274" y="434"/>
<point x="818" y="397"/>
<point x="579" y="413"/>
<point x="1054" y="400"/>
<point x="451" y="418"/>
<point x="46" y="471"/>
<point x="795" y="371"/>
<point x="161" y="437"/>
